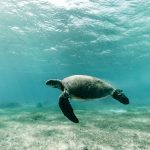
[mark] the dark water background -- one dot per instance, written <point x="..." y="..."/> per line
<point x="53" y="39"/>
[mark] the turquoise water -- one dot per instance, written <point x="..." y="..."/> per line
<point x="47" y="39"/>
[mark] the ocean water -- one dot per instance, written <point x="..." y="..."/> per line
<point x="44" y="39"/>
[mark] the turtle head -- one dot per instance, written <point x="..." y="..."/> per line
<point x="120" y="96"/>
<point x="54" y="83"/>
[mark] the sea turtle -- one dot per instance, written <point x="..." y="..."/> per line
<point x="83" y="87"/>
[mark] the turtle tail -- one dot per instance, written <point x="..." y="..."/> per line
<point x="55" y="83"/>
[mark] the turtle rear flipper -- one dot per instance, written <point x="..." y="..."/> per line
<point x="66" y="108"/>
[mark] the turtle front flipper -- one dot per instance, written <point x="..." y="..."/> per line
<point x="66" y="107"/>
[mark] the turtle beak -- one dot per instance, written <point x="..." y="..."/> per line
<point x="48" y="82"/>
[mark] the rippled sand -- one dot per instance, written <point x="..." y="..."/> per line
<point x="45" y="129"/>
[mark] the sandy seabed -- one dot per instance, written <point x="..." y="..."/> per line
<point x="29" y="128"/>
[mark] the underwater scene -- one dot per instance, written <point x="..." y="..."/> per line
<point x="44" y="41"/>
